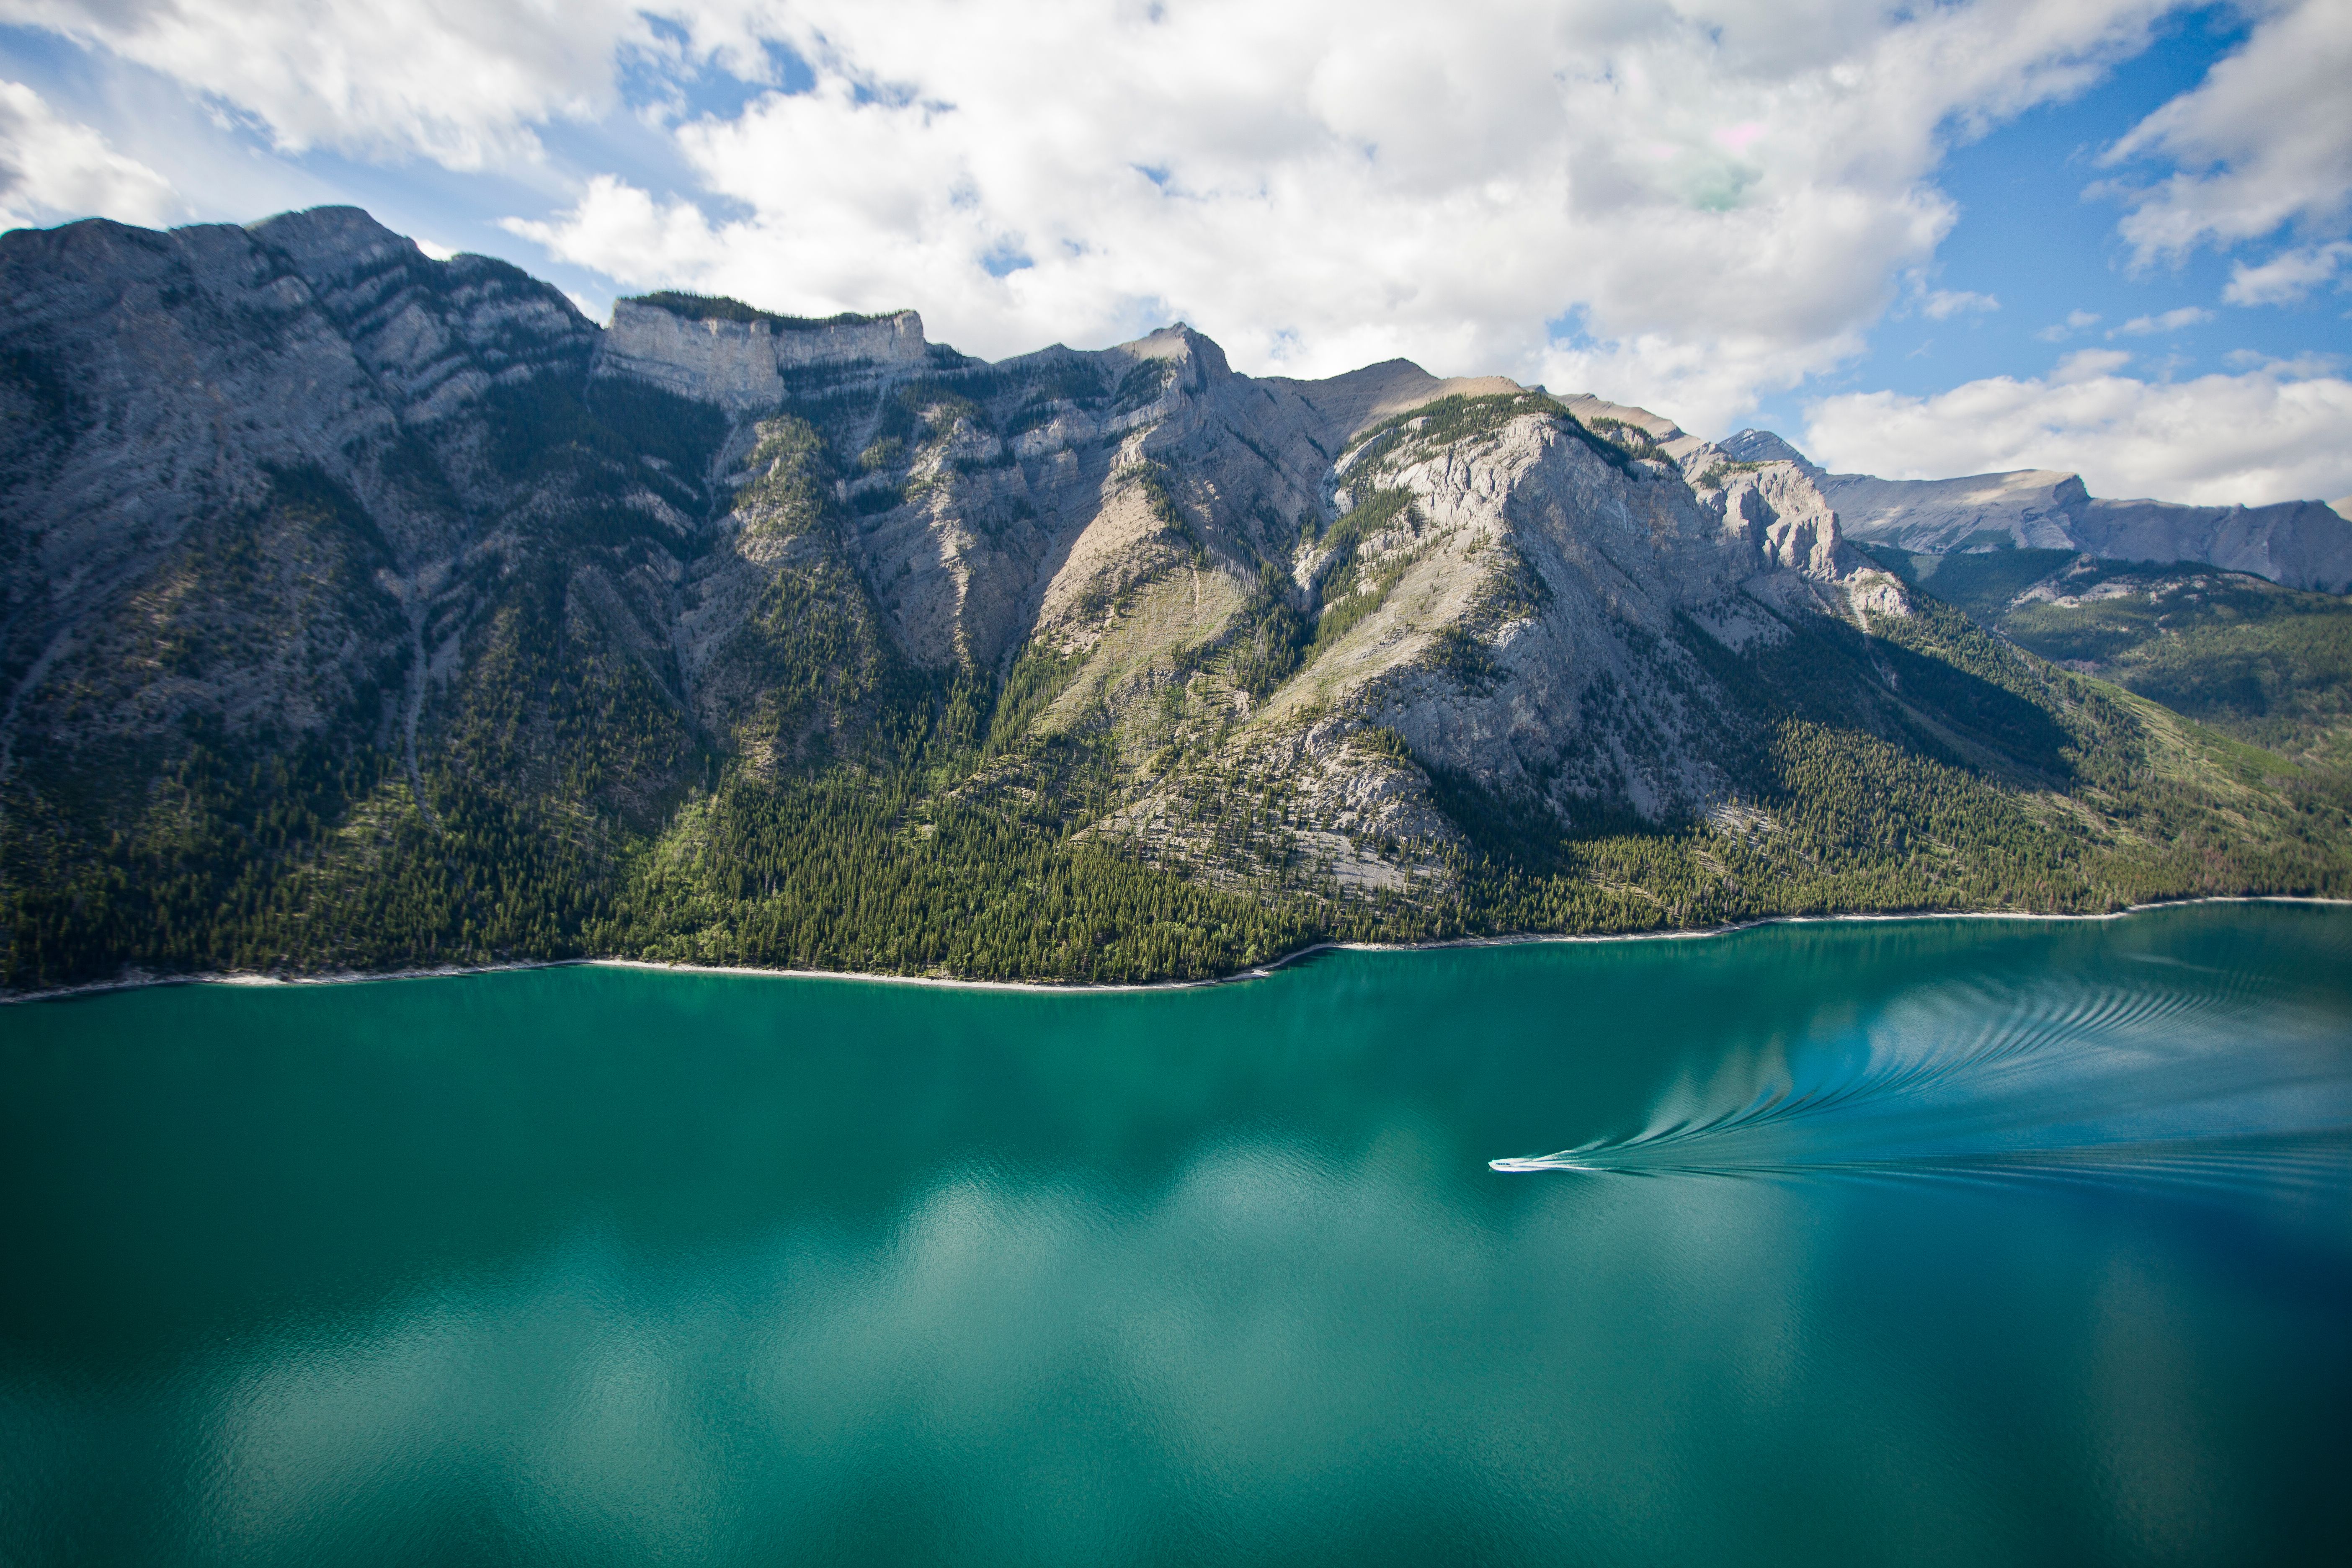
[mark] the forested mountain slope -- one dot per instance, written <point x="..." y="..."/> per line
<point x="2265" y="664"/>
<point x="367" y="611"/>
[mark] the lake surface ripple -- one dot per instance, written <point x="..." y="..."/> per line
<point x="1933" y="1241"/>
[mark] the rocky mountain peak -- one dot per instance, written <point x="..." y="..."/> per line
<point x="334" y="242"/>
<point x="1203" y="359"/>
<point x="1752" y="446"/>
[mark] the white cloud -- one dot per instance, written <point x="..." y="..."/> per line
<point x="2287" y="277"/>
<point x="53" y="169"/>
<point x="458" y="81"/>
<point x="2282" y="432"/>
<point x="621" y="231"/>
<point x="1944" y="304"/>
<point x="2086" y="364"/>
<point x="1722" y="197"/>
<point x="2265" y="140"/>
<point x="2075" y="321"/>
<point x="2170" y="322"/>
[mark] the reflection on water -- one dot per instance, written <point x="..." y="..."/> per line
<point x="594" y="1267"/>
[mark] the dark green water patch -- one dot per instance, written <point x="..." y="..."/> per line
<point x="1908" y="1241"/>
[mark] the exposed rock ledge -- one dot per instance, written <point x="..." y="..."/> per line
<point x="741" y="365"/>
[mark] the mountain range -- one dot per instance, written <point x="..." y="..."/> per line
<point x="366" y="611"/>
<point x="2300" y="544"/>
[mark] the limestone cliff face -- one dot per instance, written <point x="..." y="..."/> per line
<point x="298" y="481"/>
<point x="741" y="365"/>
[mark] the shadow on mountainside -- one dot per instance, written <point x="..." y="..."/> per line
<point x="1831" y="724"/>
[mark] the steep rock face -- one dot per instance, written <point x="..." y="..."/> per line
<point x="1217" y="566"/>
<point x="2302" y="544"/>
<point x="312" y="480"/>
<point x="284" y="479"/>
<point x="741" y="365"/>
<point x="1531" y="635"/>
<point x="164" y="383"/>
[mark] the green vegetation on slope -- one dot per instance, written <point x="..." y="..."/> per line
<point x="717" y="308"/>
<point x="2268" y="665"/>
<point x="1459" y="418"/>
<point x="893" y="866"/>
<point x="1983" y="584"/>
<point x="817" y="802"/>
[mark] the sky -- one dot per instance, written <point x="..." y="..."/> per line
<point x="1918" y="240"/>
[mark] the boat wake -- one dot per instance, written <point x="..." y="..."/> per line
<point x="2192" y="1076"/>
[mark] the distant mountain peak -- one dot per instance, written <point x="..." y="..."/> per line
<point x="1752" y="446"/>
<point x="2300" y="544"/>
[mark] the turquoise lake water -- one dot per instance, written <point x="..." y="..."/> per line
<point x="1919" y="1242"/>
